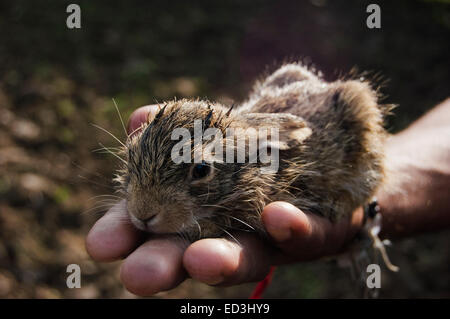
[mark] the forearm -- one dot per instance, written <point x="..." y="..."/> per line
<point x="416" y="197"/>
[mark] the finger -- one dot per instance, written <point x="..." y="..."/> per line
<point x="306" y="236"/>
<point x="155" y="266"/>
<point x="220" y="261"/>
<point x="141" y="115"/>
<point x="113" y="236"/>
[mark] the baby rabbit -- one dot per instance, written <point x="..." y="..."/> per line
<point x="327" y="140"/>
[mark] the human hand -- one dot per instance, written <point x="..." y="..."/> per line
<point x="160" y="264"/>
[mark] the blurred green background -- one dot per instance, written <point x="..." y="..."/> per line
<point x="55" y="82"/>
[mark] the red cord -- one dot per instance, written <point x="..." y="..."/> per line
<point x="262" y="285"/>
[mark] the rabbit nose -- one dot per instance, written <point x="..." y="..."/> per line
<point x="147" y="220"/>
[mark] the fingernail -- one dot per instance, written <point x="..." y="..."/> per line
<point x="276" y="223"/>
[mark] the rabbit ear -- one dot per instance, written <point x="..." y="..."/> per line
<point x="292" y="130"/>
<point x="287" y="74"/>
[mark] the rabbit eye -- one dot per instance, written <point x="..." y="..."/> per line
<point x="200" y="171"/>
